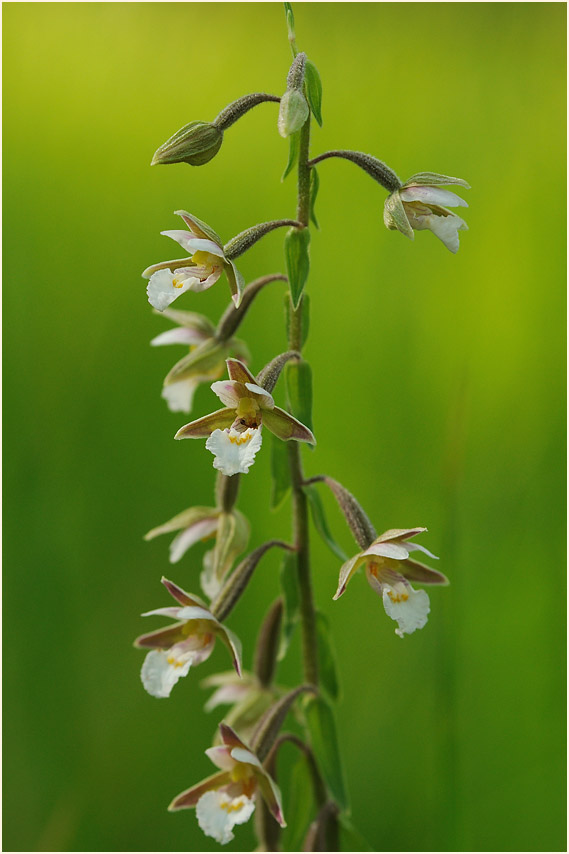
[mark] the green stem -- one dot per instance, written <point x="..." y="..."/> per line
<point x="300" y="508"/>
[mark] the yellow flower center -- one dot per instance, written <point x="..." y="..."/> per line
<point x="177" y="283"/>
<point x="239" y="440"/>
<point x="396" y="598"/>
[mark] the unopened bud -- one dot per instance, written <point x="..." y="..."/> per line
<point x="195" y="143"/>
<point x="356" y="517"/>
<point x="268" y="376"/>
<point x="273" y="719"/>
<point x="267" y="646"/>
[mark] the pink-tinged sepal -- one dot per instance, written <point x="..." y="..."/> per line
<point x="286" y="427"/>
<point x="162" y="638"/>
<point x="239" y="372"/>
<point x="412" y="570"/>
<point x="181" y="596"/>
<point x="230" y="737"/>
<point x="191" y="796"/>
<point x="204" y="427"/>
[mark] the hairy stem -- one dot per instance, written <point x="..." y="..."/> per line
<point x="300" y="508"/>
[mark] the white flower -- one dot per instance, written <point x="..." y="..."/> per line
<point x="228" y="797"/>
<point x="389" y="569"/>
<point x="420" y="205"/>
<point x="201" y="270"/>
<point x="234" y="433"/>
<point x="188" y="642"/>
<point x="234" y="452"/>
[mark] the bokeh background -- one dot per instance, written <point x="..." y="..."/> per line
<point x="439" y="401"/>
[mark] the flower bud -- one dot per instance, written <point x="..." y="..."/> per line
<point x="267" y="646"/>
<point x="195" y="143"/>
<point x="293" y="112"/>
<point x="356" y="517"/>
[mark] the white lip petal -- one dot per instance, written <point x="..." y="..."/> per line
<point x="218" y="813"/>
<point x="446" y="228"/>
<point x="159" y="674"/>
<point x="410" y="608"/>
<point x="234" y="452"/>
<point x="164" y="287"/>
<point x="432" y="196"/>
<point x="180" y="396"/>
<point x="179" y="335"/>
<point x="198" y="531"/>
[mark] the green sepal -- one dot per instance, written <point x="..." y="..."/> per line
<point x="350" y="838"/>
<point x="394" y="215"/>
<point x="280" y="472"/>
<point x="297" y="261"/>
<point x="199" y="227"/>
<point x="289" y="588"/>
<point x="324" y="743"/>
<point x="236" y="282"/>
<point x="313" y="85"/>
<point x="326" y="658"/>
<point x="314" y="187"/>
<point x="196" y="143"/>
<point x="299" y="804"/>
<point x="293" y="149"/>
<point x="428" y="179"/>
<point x="305" y="318"/>
<point x="298" y="385"/>
<point x="207" y="359"/>
<point x="321" y="523"/>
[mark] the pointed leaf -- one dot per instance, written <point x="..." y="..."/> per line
<point x="324" y="742"/>
<point x="299" y="805"/>
<point x="280" y="472"/>
<point x="297" y="261"/>
<point x="298" y="384"/>
<point x="313" y="85"/>
<point x="350" y="838"/>
<point x="326" y="658"/>
<point x="314" y="187"/>
<point x="289" y="587"/>
<point x="321" y="523"/>
<point x="293" y="149"/>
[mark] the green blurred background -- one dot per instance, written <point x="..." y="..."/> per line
<point x="439" y="401"/>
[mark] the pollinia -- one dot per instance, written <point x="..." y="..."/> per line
<point x="248" y="743"/>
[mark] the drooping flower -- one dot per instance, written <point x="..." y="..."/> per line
<point x="205" y="361"/>
<point x="419" y="204"/>
<point x="201" y="270"/>
<point x="389" y="569"/>
<point x="248" y="699"/>
<point x="228" y="797"/>
<point x="234" y="433"/>
<point x="186" y="643"/>
<point x="231" y="531"/>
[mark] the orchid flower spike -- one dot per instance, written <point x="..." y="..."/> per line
<point x="198" y="272"/>
<point x="205" y="361"/>
<point x="234" y="433"/>
<point x="188" y="642"/>
<point x="228" y="797"/>
<point x="389" y="570"/>
<point x="419" y="204"/>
